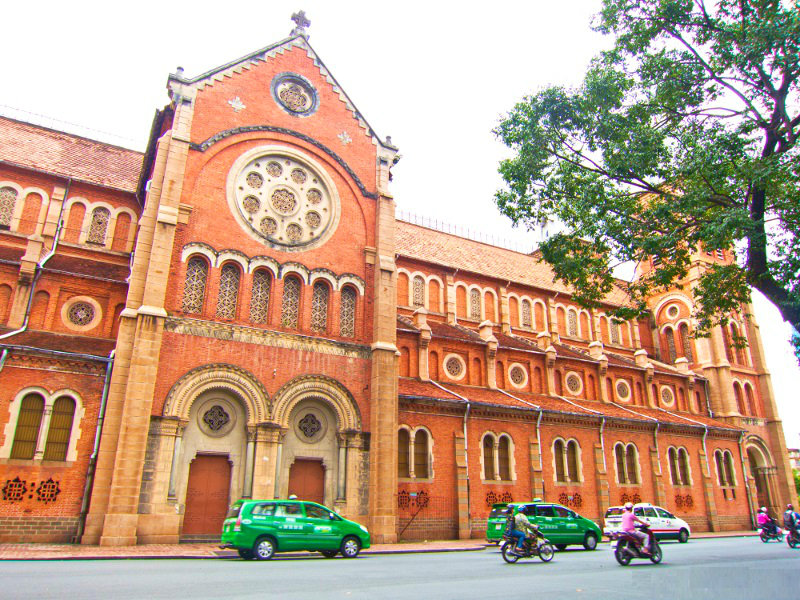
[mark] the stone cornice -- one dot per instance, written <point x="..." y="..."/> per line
<point x="264" y="337"/>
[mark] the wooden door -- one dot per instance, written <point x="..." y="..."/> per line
<point x="307" y="480"/>
<point x="207" y="495"/>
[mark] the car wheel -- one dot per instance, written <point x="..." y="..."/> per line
<point x="546" y="552"/>
<point x="561" y="547"/>
<point x="329" y="553"/>
<point x="683" y="536"/>
<point x="245" y="553"/>
<point x="264" y="548"/>
<point x="621" y="555"/>
<point x="656" y="555"/>
<point x="590" y="541"/>
<point x="350" y="547"/>
<point x="506" y="552"/>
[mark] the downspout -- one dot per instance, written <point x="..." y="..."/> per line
<point x="708" y="404"/>
<point x="40" y="266"/>
<point x="705" y="450"/>
<point x="90" y="472"/>
<point x="655" y="440"/>
<point x="603" y="443"/>
<point x="746" y="481"/>
<point x="466" y="447"/>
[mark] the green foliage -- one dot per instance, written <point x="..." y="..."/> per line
<point x="682" y="138"/>
<point x="796" y="474"/>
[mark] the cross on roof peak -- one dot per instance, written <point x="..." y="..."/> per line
<point x="301" y="22"/>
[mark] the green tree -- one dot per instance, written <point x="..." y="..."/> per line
<point x="796" y="474"/>
<point x="683" y="136"/>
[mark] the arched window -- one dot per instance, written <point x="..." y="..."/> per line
<point x="259" y="299"/>
<point x="290" y="307"/>
<point x="683" y="467"/>
<point x="686" y="342"/>
<point x="567" y="461"/>
<point x="475" y="304"/>
<point x="319" y="307"/>
<point x="504" y="458"/>
<point x="418" y="291"/>
<point x="572" y="323"/>
<point x="421" y="455"/>
<point x="671" y="351"/>
<point x="573" y="464"/>
<point x="29" y="422"/>
<point x="627" y="459"/>
<point x="8" y="200"/>
<point x="751" y="401"/>
<point x="99" y="226"/>
<point x="403" y="448"/>
<point x="614" y="328"/>
<point x="737" y="394"/>
<point x="228" y="292"/>
<point x="672" y="454"/>
<point x="527" y="320"/>
<point x="194" y="288"/>
<point x="559" y="455"/>
<point x="729" y="472"/>
<point x="60" y="429"/>
<point x="488" y="457"/>
<point x="347" y="316"/>
<point x="721" y="480"/>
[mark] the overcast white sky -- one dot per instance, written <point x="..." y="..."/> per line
<point x="436" y="76"/>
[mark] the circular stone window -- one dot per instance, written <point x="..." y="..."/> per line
<point x="574" y="383"/>
<point x="216" y="417"/>
<point x="81" y="313"/>
<point x="295" y="94"/>
<point x="518" y="375"/>
<point x="281" y="199"/>
<point x="623" y="391"/>
<point x="310" y="425"/>
<point x="672" y="311"/>
<point x="667" y="397"/>
<point x="455" y="367"/>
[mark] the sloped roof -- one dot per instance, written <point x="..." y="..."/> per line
<point x="90" y="346"/>
<point x="34" y="147"/>
<point x="448" y="250"/>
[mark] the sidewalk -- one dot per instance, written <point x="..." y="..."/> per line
<point x="77" y="552"/>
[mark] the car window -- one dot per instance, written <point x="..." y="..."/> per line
<point x="288" y="510"/>
<point x="233" y="511"/>
<point x="614" y="511"/>
<point x="497" y="512"/>
<point x="562" y="512"/>
<point x="317" y="512"/>
<point x="649" y="512"/>
<point x="544" y="511"/>
<point x="264" y="509"/>
<point x="664" y="514"/>
<point x="638" y="511"/>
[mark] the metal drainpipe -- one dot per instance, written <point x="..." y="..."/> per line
<point x="708" y="402"/>
<point x="655" y="439"/>
<point x="746" y="481"/>
<point x="3" y="358"/>
<point x="90" y="472"/>
<point x="705" y="450"/>
<point x="40" y="266"/>
<point x="603" y="443"/>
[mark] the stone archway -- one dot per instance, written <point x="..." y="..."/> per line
<point x="762" y="471"/>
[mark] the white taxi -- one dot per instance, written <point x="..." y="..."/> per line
<point x="663" y="523"/>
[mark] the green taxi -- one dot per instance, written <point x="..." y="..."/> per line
<point x="560" y="525"/>
<point x="260" y="528"/>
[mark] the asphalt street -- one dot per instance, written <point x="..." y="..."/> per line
<point x="728" y="568"/>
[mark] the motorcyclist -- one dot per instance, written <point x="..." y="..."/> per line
<point x="520" y="528"/>
<point x="629" y="521"/>
<point x="791" y="520"/>
<point x="766" y="522"/>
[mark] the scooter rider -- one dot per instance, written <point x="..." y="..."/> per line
<point x="766" y="522"/>
<point x="628" y="526"/>
<point x="791" y="520"/>
<point x="521" y="527"/>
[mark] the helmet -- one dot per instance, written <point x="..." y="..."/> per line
<point x="629" y="506"/>
<point x="763" y="509"/>
<point x="789" y="507"/>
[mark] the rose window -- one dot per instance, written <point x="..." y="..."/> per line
<point x="283" y="200"/>
<point x="216" y="418"/>
<point x="454" y="367"/>
<point x="80" y="313"/>
<point x="666" y="396"/>
<point x="574" y="384"/>
<point x="623" y="391"/>
<point x="517" y="375"/>
<point x="310" y="425"/>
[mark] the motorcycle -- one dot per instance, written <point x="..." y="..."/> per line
<point x="538" y="546"/>
<point x="626" y="547"/>
<point x="766" y="534"/>
<point x="793" y="538"/>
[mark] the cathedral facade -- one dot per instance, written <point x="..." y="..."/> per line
<point x="238" y="313"/>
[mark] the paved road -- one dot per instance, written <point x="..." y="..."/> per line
<point x="714" y="568"/>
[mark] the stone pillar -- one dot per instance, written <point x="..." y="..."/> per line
<point x="537" y="480"/>
<point x="421" y="323"/>
<point x="450" y="298"/>
<point x="708" y="493"/>
<point x="265" y="460"/>
<point x="601" y="479"/>
<point x="462" y="488"/>
<point x="491" y="353"/>
<point x="552" y="319"/>
<point x="249" y="463"/>
<point x="505" y="313"/>
<point x="658" y="477"/>
<point x="341" y="469"/>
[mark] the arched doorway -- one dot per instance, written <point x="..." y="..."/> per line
<point x="762" y="473"/>
<point x="207" y="495"/>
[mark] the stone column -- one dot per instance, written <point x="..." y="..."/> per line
<point x="601" y="485"/>
<point x="450" y="298"/>
<point x="505" y="313"/>
<point x="266" y="460"/>
<point x="537" y="480"/>
<point x="249" y="463"/>
<point x="658" y="478"/>
<point x="708" y="493"/>
<point x="462" y="488"/>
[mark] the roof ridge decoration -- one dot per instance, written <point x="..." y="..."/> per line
<point x="298" y="38"/>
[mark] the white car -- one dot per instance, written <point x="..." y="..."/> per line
<point x="663" y="523"/>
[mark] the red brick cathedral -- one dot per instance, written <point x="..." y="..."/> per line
<point x="238" y="313"/>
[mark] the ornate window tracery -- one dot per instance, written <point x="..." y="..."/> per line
<point x="527" y="319"/>
<point x="80" y="313"/>
<point x="259" y="301"/>
<point x="194" y="288"/>
<point x="687" y="347"/>
<point x="99" y="226"/>
<point x="319" y="307"/>
<point x="290" y="308"/>
<point x="418" y="291"/>
<point x="475" y="304"/>
<point x="347" y="317"/>
<point x="228" y="292"/>
<point x="572" y="323"/>
<point x="8" y="200"/>
<point x="614" y="331"/>
<point x="670" y="335"/>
